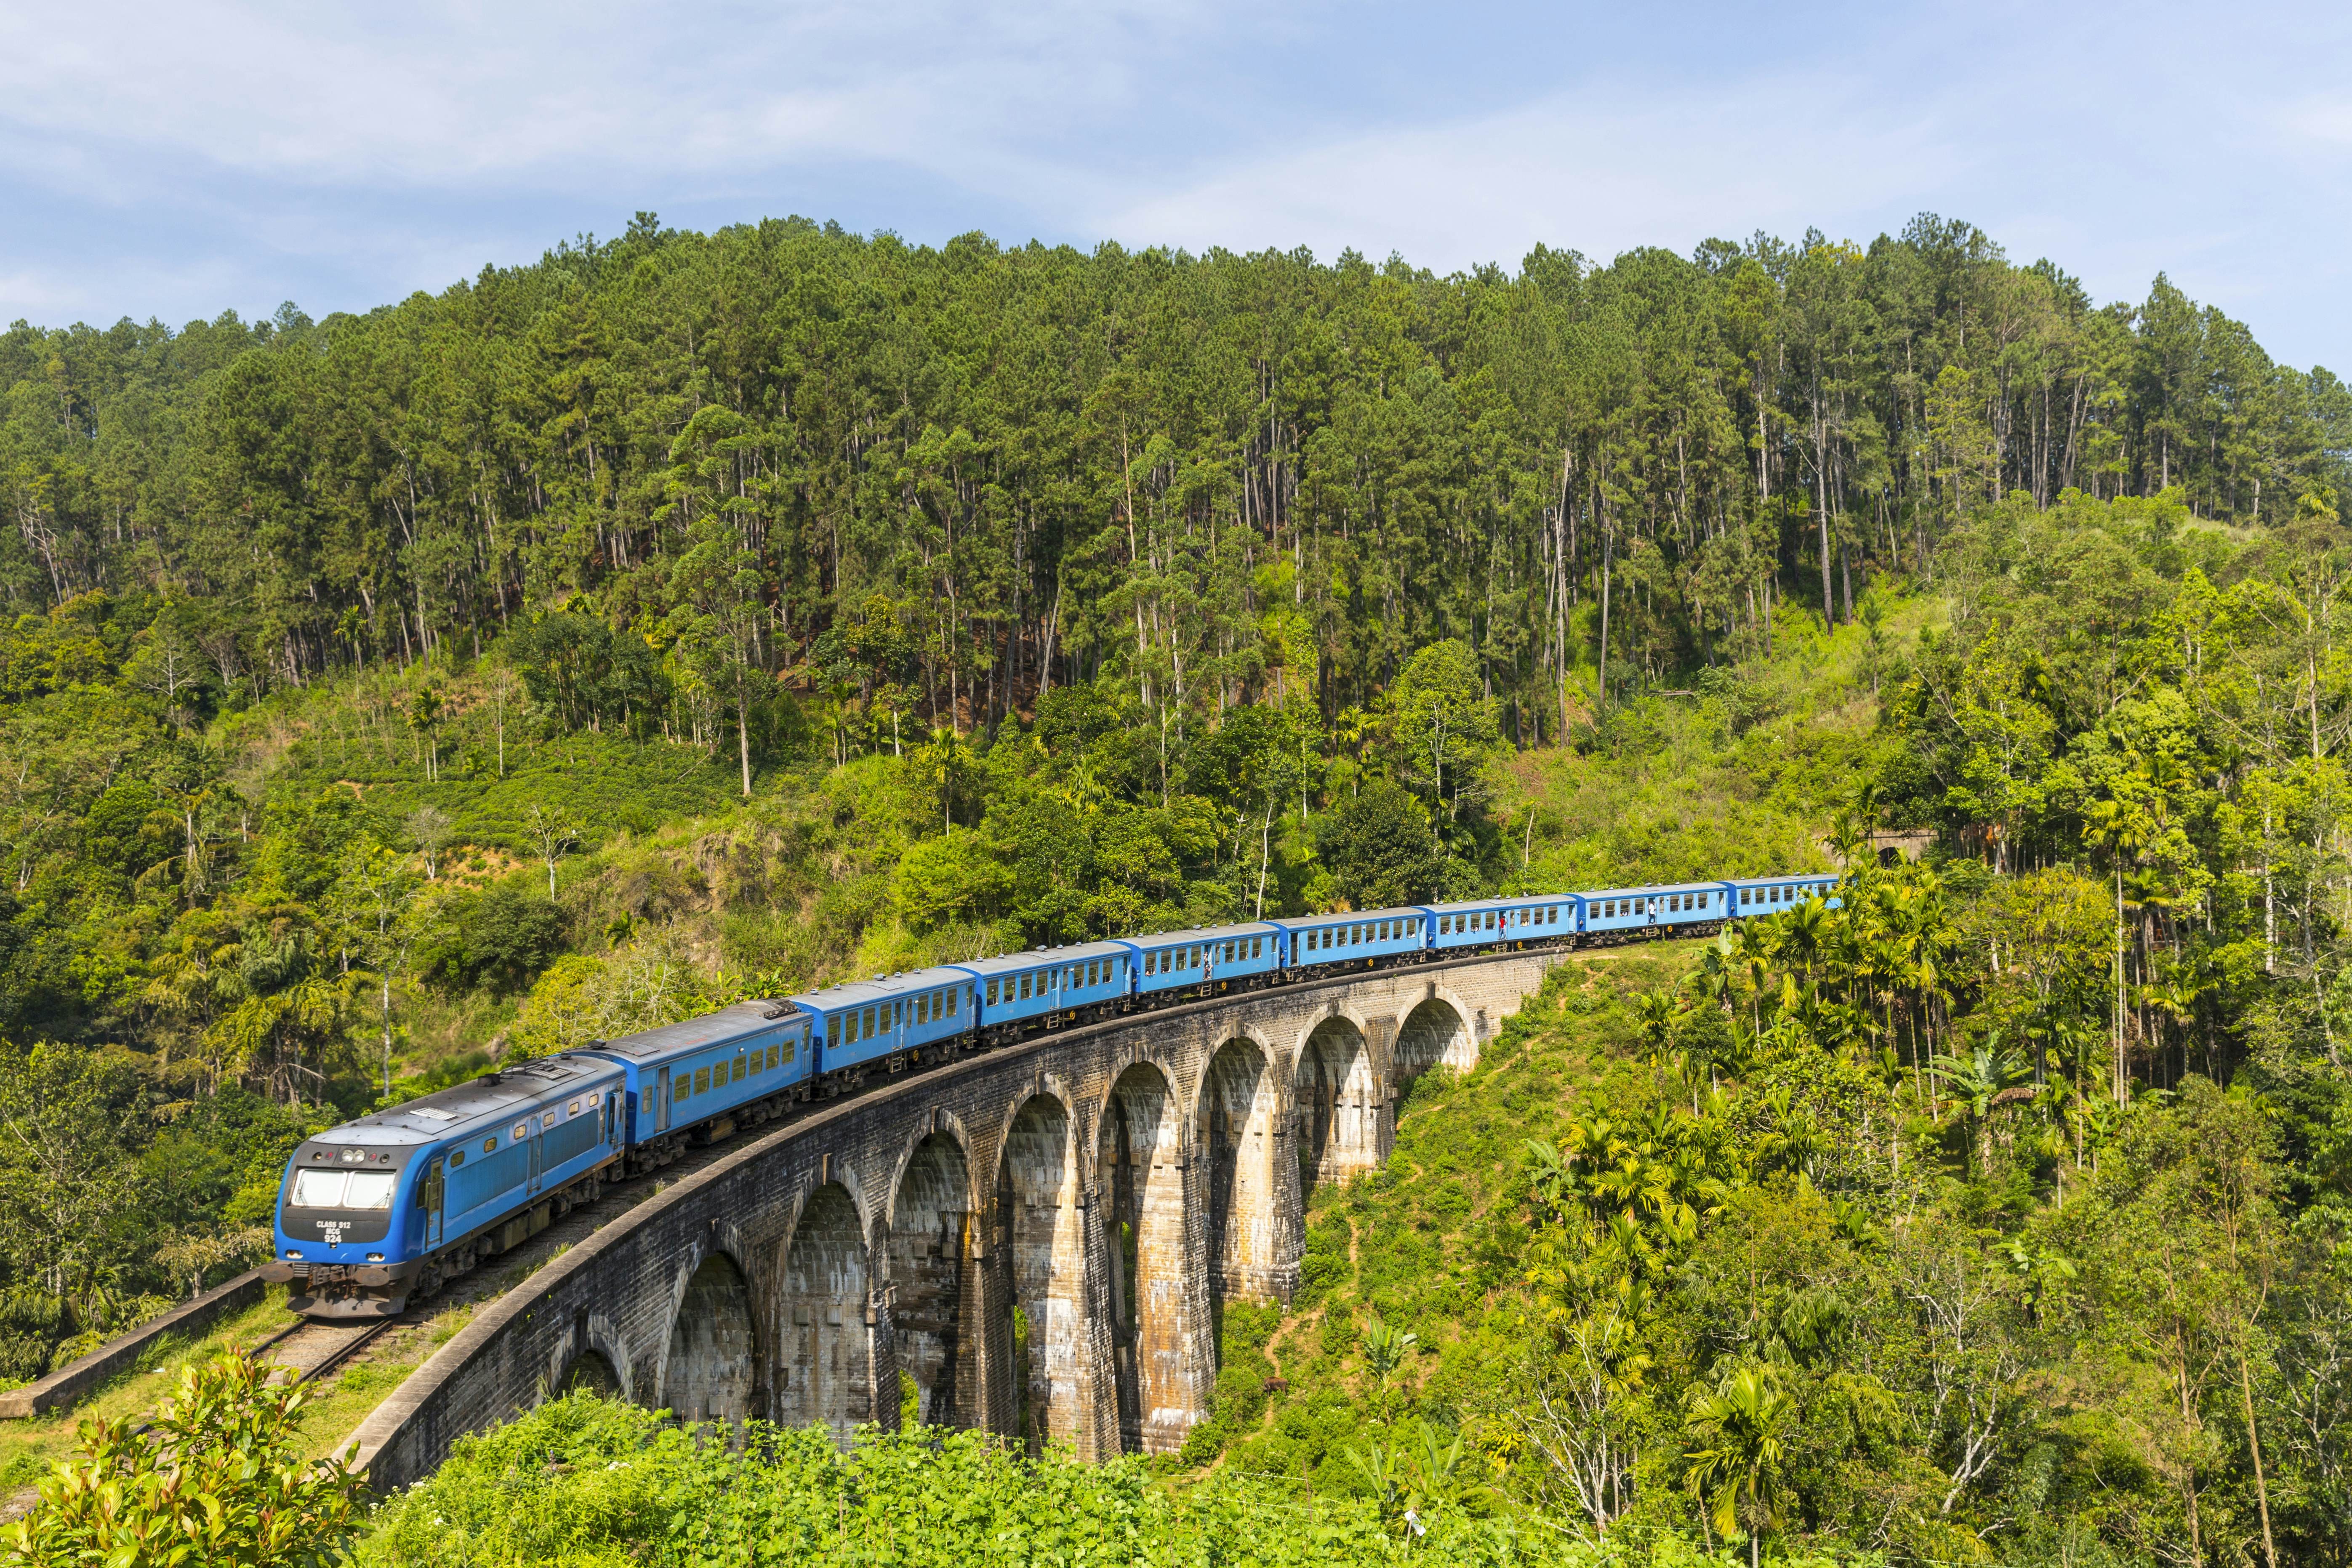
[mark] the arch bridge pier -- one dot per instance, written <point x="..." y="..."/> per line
<point x="1040" y="1238"/>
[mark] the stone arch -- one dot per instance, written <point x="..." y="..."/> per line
<point x="1140" y="1147"/>
<point x="931" y="1240"/>
<point x="712" y="1371"/>
<point x="827" y="1354"/>
<point x="591" y="1356"/>
<point x="1436" y="1033"/>
<point x="1036" y="1241"/>
<point x="1238" y="1127"/>
<point x="591" y="1373"/>
<point x="1339" y="1101"/>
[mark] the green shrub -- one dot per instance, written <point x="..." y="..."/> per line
<point x="219" y="1479"/>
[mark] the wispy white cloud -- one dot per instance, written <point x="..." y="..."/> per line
<point x="180" y="157"/>
<point x="569" y="95"/>
<point x="1602" y="171"/>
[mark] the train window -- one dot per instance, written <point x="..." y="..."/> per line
<point x="866" y="1024"/>
<point x="702" y="1080"/>
<point x="572" y="1108"/>
<point x="922" y="1010"/>
<point x="680" y="1086"/>
<point x="991" y="991"/>
<point x="1258" y="947"/>
<point x="739" y="1065"/>
<point x="456" y="1157"/>
<point x="760" y="1058"/>
<point x="1021" y="989"/>
<point x="955" y="996"/>
<point x="522" y="1130"/>
<point x="339" y="1189"/>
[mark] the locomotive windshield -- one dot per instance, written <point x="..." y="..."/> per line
<point x="316" y="1189"/>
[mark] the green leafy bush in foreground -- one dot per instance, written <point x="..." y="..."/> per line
<point x="580" y="1481"/>
<point x="218" y="1479"/>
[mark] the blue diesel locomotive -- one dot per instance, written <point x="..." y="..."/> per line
<point x="381" y="1211"/>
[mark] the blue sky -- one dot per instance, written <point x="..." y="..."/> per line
<point x="175" y="159"/>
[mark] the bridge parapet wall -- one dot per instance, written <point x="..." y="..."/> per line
<point x="1038" y="1236"/>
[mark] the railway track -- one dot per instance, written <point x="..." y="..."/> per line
<point x="313" y="1351"/>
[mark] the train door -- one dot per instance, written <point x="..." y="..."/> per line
<point x="429" y="1193"/>
<point x="661" y="1101"/>
<point x="537" y="1151"/>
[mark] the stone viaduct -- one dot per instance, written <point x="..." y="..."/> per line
<point x="1041" y="1236"/>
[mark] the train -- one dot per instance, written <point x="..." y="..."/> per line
<point x="383" y="1210"/>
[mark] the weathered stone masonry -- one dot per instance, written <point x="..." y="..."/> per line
<point x="1038" y="1236"/>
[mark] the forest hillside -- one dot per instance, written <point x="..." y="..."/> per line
<point x="688" y="617"/>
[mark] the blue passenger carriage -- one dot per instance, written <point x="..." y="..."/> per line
<point x="1355" y="937"/>
<point x="378" y="1209"/>
<point x="1777" y="895"/>
<point x="700" y="1079"/>
<point x="891" y="1023"/>
<point x="1205" y="962"/>
<point x="1484" y="923"/>
<point x="1046" y="987"/>
<point x="1616" y="915"/>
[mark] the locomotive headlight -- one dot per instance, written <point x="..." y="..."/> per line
<point x="293" y="1252"/>
<point x="376" y="1257"/>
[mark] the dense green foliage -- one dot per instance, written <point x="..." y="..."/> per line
<point x="693" y="618"/>
<point x="583" y="1482"/>
<point x="1997" y="1212"/>
<point x="218" y="1478"/>
<point x="910" y="482"/>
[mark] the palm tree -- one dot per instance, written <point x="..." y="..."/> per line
<point x="1805" y="931"/>
<point x="1979" y="1083"/>
<point x="1737" y="1473"/>
<point x="1660" y="1018"/>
